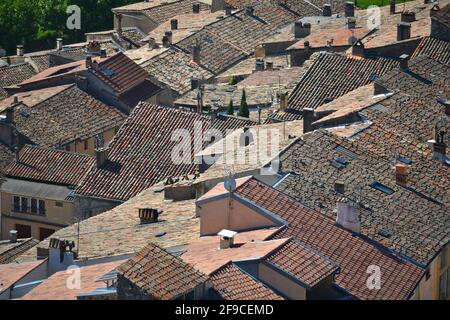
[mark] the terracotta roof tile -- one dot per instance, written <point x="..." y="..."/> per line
<point x="140" y="154"/>
<point x="10" y="251"/>
<point x="160" y="274"/>
<point x="232" y="283"/>
<point x="436" y="49"/>
<point x="49" y="165"/>
<point x="13" y="272"/>
<point x="13" y="75"/>
<point x="353" y="254"/>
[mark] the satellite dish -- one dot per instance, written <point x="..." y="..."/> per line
<point x="230" y="181"/>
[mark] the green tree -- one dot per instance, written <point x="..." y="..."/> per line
<point x="243" y="108"/>
<point x="230" y="109"/>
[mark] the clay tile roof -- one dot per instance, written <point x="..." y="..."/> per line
<point x="232" y="283"/>
<point x="146" y="160"/>
<point x="175" y="68"/>
<point x="332" y="75"/>
<point x="13" y="75"/>
<point x="65" y="116"/>
<point x="120" y="72"/>
<point x="13" y="272"/>
<point x="160" y="274"/>
<point x="441" y="14"/>
<point x="403" y="218"/>
<point x="10" y="251"/>
<point x="49" y="165"/>
<point x="6" y="156"/>
<point x="352" y="253"/>
<point x="303" y="263"/>
<point x="436" y="49"/>
<point x="164" y="12"/>
<point x="55" y="287"/>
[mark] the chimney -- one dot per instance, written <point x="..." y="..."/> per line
<point x="339" y="187"/>
<point x="284" y="101"/>
<point x="249" y="11"/>
<point x="404" y="58"/>
<point x="88" y="61"/>
<point x="348" y="215"/>
<point x="173" y="24"/>
<point x="301" y="30"/>
<point x="102" y="53"/>
<point x="392" y="6"/>
<point x="349" y="9"/>
<point x="81" y="82"/>
<point x="259" y="65"/>
<point x="60" y="255"/>
<point x="119" y="24"/>
<point x="59" y="44"/>
<point x="226" y="239"/>
<point x="408" y="16"/>
<point x="358" y="49"/>
<point x="401" y="174"/>
<point x="308" y="118"/>
<point x="13" y="236"/>
<point x="148" y="215"/>
<point x="151" y="43"/>
<point x="446" y="104"/>
<point x="351" y="23"/>
<point x="196" y="54"/>
<point x="326" y="11"/>
<point x="306" y="45"/>
<point x="228" y="10"/>
<point x="101" y="156"/>
<point x="167" y="39"/>
<point x="269" y="65"/>
<point x="403" y="31"/>
<point x="9" y="112"/>
<point x="20" y="50"/>
<point x="439" y="145"/>
<point x="195" y="83"/>
<point x="196" y="8"/>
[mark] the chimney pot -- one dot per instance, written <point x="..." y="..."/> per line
<point x="101" y="156"/>
<point x="9" y="112"/>
<point x="358" y="49"/>
<point x="349" y="9"/>
<point x="13" y="236"/>
<point x="392" y="6"/>
<point x="228" y="10"/>
<point x="148" y="215"/>
<point x="351" y="23"/>
<point x="226" y="239"/>
<point x="308" y="119"/>
<point x="103" y="53"/>
<point x="151" y="43"/>
<point x="174" y="24"/>
<point x="401" y="174"/>
<point x="339" y="187"/>
<point x="269" y="65"/>
<point x="301" y="30"/>
<point x="196" y="8"/>
<point x="259" y="66"/>
<point x="195" y="83"/>
<point x="403" y="31"/>
<point x="408" y="16"/>
<point x="59" y="44"/>
<point x="88" y="61"/>
<point x="249" y="11"/>
<point x="196" y="54"/>
<point x="326" y="11"/>
<point x="404" y="61"/>
<point x="20" y="50"/>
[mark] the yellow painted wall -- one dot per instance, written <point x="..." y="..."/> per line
<point x="280" y="282"/>
<point x="429" y="289"/>
<point x="214" y="217"/>
<point x="79" y="145"/>
<point x="54" y="215"/>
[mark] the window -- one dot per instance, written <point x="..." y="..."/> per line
<point x="23" y="231"/>
<point x="381" y="187"/>
<point x="34" y="206"/>
<point x="41" y="207"/>
<point x="23" y="204"/>
<point x="16" y="204"/>
<point x="59" y="204"/>
<point x="44" y="233"/>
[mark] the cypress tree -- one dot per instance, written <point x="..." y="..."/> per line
<point x="243" y="109"/>
<point x="230" y="110"/>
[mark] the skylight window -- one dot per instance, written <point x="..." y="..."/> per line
<point x="381" y="187"/>
<point x="404" y="159"/>
<point x="349" y="154"/>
